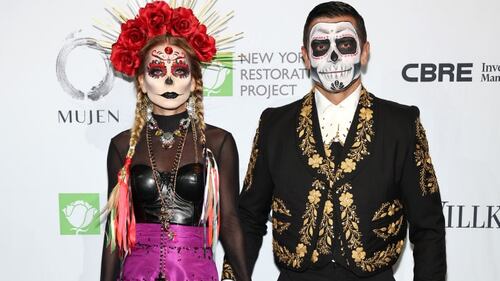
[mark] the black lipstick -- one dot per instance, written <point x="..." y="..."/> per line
<point x="170" y="95"/>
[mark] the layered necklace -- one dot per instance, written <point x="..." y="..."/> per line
<point x="167" y="138"/>
<point x="167" y="200"/>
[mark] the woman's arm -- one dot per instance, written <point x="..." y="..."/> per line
<point x="110" y="262"/>
<point x="231" y="234"/>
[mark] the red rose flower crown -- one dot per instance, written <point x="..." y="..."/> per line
<point x="142" y="21"/>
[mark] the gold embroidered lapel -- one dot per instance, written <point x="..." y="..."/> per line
<point x="359" y="149"/>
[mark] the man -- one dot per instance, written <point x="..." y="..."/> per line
<point x="343" y="171"/>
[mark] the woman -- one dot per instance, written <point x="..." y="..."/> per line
<point x="171" y="165"/>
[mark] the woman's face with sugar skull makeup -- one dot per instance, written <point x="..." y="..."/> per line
<point x="167" y="79"/>
<point x="335" y="54"/>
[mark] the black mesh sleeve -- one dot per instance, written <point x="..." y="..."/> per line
<point x="231" y="233"/>
<point x="110" y="263"/>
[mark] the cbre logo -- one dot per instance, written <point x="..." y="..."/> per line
<point x="442" y="72"/>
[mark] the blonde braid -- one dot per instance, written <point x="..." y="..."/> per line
<point x="135" y="132"/>
<point x="113" y="201"/>
<point x="140" y="120"/>
<point x="200" y="111"/>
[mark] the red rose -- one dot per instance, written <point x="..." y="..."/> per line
<point x="133" y="34"/>
<point x="203" y="44"/>
<point x="184" y="23"/>
<point x="157" y="16"/>
<point x="124" y="60"/>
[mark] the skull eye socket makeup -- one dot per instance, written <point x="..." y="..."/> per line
<point x="335" y="55"/>
<point x="180" y="69"/>
<point x="320" y="47"/>
<point x="156" y="69"/>
<point x="347" y="45"/>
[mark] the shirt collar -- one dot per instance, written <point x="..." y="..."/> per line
<point x="349" y="103"/>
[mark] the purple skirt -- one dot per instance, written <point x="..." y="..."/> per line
<point x="185" y="258"/>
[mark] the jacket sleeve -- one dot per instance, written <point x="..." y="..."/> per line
<point x="422" y="203"/>
<point x="255" y="199"/>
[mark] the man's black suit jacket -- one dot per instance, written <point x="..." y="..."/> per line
<point x="353" y="208"/>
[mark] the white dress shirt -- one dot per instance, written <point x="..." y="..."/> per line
<point x="335" y="120"/>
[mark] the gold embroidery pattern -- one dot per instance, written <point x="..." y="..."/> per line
<point x="427" y="178"/>
<point x="307" y="142"/>
<point x="324" y="244"/>
<point x="278" y="206"/>
<point x="247" y="183"/>
<point x="391" y="230"/>
<point x="348" y="216"/>
<point x="311" y="213"/>
<point x="315" y="256"/>
<point x="357" y="152"/>
<point x="379" y="259"/>
<point x="388" y="209"/>
<point x="307" y="230"/>
<point x="359" y="149"/>
<point x="364" y="135"/>
<point x="289" y="258"/>
<point x="227" y="271"/>
<point x="280" y="226"/>
<point x="350" y="222"/>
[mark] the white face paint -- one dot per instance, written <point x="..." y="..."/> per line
<point x="335" y="54"/>
<point x="167" y="78"/>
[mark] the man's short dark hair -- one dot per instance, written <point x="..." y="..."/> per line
<point x="335" y="9"/>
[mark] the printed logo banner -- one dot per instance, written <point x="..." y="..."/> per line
<point x="79" y="213"/>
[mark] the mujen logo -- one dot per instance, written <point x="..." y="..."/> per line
<point x="96" y="90"/>
<point x="429" y="72"/>
<point x="218" y="79"/>
<point x="79" y="213"/>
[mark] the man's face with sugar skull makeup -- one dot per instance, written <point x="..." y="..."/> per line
<point x="167" y="79"/>
<point x="334" y="53"/>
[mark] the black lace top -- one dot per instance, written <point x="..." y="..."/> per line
<point x="189" y="187"/>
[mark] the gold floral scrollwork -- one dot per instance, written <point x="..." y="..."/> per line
<point x="289" y="258"/>
<point x="359" y="149"/>
<point x="392" y="229"/>
<point x="310" y="216"/>
<point x="279" y="206"/>
<point x="247" y="183"/>
<point x="311" y="213"/>
<point x="364" y="135"/>
<point x="427" y="177"/>
<point x="325" y="165"/>
<point x="280" y="226"/>
<point x="379" y="259"/>
<point x="348" y="216"/>
<point x="227" y="271"/>
<point x="358" y="254"/>
<point x="326" y="235"/>
<point x="387" y="209"/>
<point x="350" y="225"/>
<point x="308" y="144"/>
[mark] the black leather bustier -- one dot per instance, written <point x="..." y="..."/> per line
<point x="188" y="195"/>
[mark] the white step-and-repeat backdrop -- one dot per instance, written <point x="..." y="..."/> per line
<point x="439" y="55"/>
